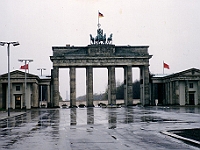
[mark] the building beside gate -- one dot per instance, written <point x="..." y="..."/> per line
<point x="17" y="90"/>
<point x="182" y="88"/>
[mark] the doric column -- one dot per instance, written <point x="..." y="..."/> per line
<point x="177" y="92"/>
<point x="186" y="93"/>
<point x="55" y="87"/>
<point x="125" y="85"/>
<point x="48" y="95"/>
<point x="166" y="93"/>
<point x="109" y="82"/>
<point x="1" y="96"/>
<point x="111" y="86"/>
<point x="142" y="86"/>
<point x="128" y="88"/>
<point x="23" y="100"/>
<point x="146" y="85"/>
<point x="170" y="92"/>
<point x="89" y="87"/>
<point x="198" y="91"/>
<point x="144" y="76"/>
<point x="35" y="95"/>
<point x="72" y="74"/>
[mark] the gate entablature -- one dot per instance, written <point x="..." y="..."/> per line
<point x="100" y="55"/>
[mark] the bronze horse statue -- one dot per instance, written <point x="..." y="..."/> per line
<point x="104" y="39"/>
<point x="109" y="40"/>
<point x="100" y="37"/>
<point x="91" y="39"/>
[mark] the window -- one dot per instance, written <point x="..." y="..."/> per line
<point x="191" y="85"/>
<point x="17" y="88"/>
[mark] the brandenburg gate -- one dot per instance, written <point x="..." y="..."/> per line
<point x="102" y="54"/>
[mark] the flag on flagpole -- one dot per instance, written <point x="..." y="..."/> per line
<point x="165" y="65"/>
<point x="24" y="67"/>
<point x="100" y="15"/>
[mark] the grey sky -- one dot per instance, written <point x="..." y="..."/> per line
<point x="169" y="27"/>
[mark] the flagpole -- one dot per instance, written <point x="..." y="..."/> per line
<point x="25" y="84"/>
<point x="25" y="88"/>
<point x="163" y="66"/>
<point x="28" y="67"/>
<point x="98" y="19"/>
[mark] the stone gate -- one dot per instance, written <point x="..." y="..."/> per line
<point x="102" y="55"/>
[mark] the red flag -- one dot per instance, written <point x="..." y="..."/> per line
<point x="100" y="15"/>
<point x="165" y="65"/>
<point x="24" y="67"/>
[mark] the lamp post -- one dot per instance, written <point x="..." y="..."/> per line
<point x="41" y="86"/>
<point x="25" y="62"/>
<point x="8" y="49"/>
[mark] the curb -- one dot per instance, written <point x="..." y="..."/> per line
<point x="181" y="138"/>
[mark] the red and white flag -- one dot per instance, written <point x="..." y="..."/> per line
<point x="24" y="67"/>
<point x="165" y="65"/>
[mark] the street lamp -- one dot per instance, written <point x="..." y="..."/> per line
<point x="25" y="62"/>
<point x="8" y="48"/>
<point x="41" y="86"/>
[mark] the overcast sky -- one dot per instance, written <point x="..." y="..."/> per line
<point x="171" y="29"/>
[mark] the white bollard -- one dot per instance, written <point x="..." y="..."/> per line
<point x="156" y="101"/>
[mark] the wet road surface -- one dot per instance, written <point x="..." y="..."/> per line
<point x="99" y="128"/>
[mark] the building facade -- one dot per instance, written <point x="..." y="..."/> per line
<point x="33" y="91"/>
<point x="182" y="88"/>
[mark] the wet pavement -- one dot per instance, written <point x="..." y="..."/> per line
<point x="100" y="128"/>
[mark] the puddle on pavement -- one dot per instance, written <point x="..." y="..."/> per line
<point x="145" y="112"/>
<point x="156" y="119"/>
<point x="13" y="121"/>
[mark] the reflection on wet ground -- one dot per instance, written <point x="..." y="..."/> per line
<point x="156" y="119"/>
<point x="13" y="122"/>
<point x="100" y="128"/>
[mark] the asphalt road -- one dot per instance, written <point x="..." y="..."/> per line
<point x="99" y="128"/>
